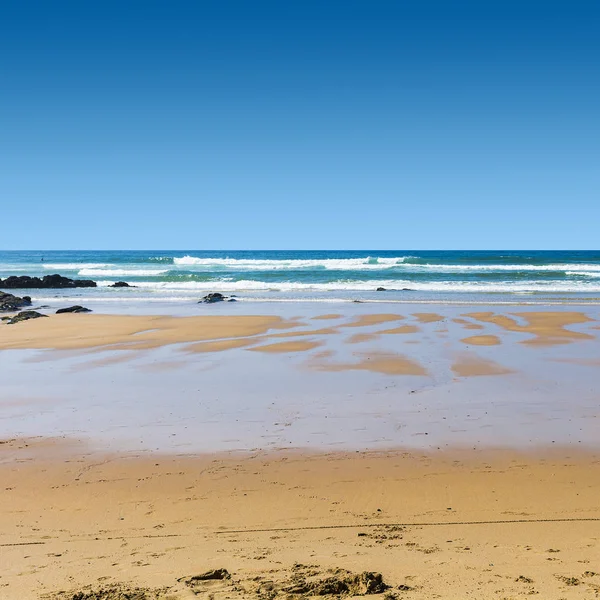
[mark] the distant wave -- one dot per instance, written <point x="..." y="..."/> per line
<point x="559" y="267"/>
<point x="122" y="272"/>
<point x="337" y="264"/>
<point x="250" y="285"/>
<point x="74" y="266"/>
<point x="401" y="263"/>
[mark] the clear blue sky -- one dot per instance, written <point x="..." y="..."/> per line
<point x="300" y="124"/>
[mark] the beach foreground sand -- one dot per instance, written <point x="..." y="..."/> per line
<point x="448" y="454"/>
<point x="495" y="524"/>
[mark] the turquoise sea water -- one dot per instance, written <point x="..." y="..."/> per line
<point x="406" y="275"/>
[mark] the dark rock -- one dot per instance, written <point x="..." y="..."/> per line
<point x="25" y="315"/>
<point x="120" y="284"/>
<point x="212" y="298"/>
<point x="232" y="300"/>
<point x="10" y="303"/>
<point x="381" y="289"/>
<point x="47" y="282"/>
<point x="407" y="290"/>
<point x="73" y="309"/>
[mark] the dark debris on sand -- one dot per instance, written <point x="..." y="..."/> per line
<point x="301" y="582"/>
<point x="112" y="592"/>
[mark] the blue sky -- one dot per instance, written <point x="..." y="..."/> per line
<point x="245" y="125"/>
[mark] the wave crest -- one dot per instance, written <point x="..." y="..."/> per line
<point x="257" y="264"/>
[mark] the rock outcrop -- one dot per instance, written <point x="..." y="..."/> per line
<point x="25" y="315"/>
<point x="10" y="303"/>
<point x="121" y="284"/>
<point x="215" y="297"/>
<point x="56" y="281"/>
<point x="73" y="309"/>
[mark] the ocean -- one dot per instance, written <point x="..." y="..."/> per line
<point x="407" y="276"/>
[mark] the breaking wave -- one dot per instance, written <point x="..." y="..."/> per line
<point x="250" y="285"/>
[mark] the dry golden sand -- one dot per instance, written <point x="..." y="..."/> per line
<point x="482" y="340"/>
<point x="447" y="525"/>
<point x="221" y="345"/>
<point x="324" y="331"/>
<point x="327" y="317"/>
<point x="365" y="320"/>
<point x="369" y="337"/>
<point x="549" y="328"/>
<point x="470" y="365"/>
<point x="78" y="331"/>
<point x="98" y="332"/>
<point x="284" y="347"/>
<point x="428" y="317"/>
<point x="376" y="362"/>
<point x="358" y="338"/>
<point x="402" y="329"/>
<point x="467" y="324"/>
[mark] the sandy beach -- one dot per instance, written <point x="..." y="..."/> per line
<point x="450" y="525"/>
<point x="299" y="301"/>
<point x="302" y="453"/>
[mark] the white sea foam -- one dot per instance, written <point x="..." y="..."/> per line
<point x="344" y="264"/>
<point x="370" y="286"/>
<point x="403" y="263"/>
<point x="121" y="272"/>
<point x="514" y="267"/>
<point x="584" y="273"/>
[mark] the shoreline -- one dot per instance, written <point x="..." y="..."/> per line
<point x="183" y="304"/>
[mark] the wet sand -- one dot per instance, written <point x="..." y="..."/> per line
<point x="84" y="331"/>
<point x="143" y="451"/>
<point x="469" y="365"/>
<point x="376" y="362"/>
